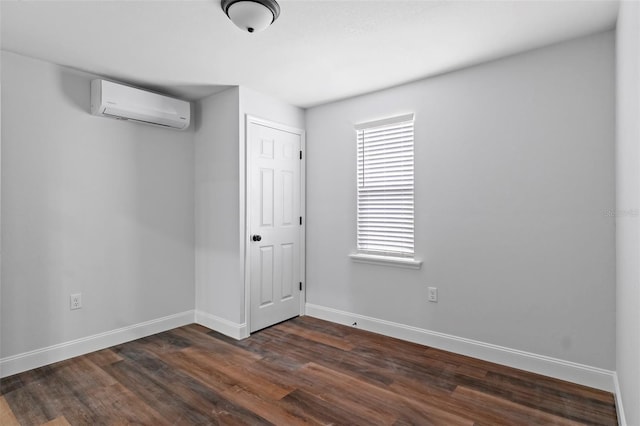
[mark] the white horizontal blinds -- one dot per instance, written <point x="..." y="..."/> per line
<point x="385" y="186"/>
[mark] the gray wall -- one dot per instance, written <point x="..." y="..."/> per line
<point x="514" y="182"/>
<point x="218" y="263"/>
<point x="89" y="205"/>
<point x="628" y="209"/>
<point x="220" y="195"/>
<point x="259" y="105"/>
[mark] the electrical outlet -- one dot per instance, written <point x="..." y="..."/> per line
<point x="433" y="294"/>
<point x="75" y="301"/>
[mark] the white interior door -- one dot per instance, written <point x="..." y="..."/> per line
<point x="275" y="230"/>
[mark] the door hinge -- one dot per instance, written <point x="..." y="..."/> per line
<point x="301" y="154"/>
<point x="300" y="220"/>
<point x="300" y="285"/>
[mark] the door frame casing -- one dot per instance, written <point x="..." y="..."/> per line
<point x="251" y="119"/>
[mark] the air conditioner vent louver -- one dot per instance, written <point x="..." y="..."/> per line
<point x="115" y="100"/>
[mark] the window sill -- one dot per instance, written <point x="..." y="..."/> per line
<point x="399" y="262"/>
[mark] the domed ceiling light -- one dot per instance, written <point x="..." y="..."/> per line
<point x="251" y="15"/>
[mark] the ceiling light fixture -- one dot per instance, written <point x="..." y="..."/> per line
<point x="251" y="15"/>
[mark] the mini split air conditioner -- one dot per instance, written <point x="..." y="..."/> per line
<point x="121" y="102"/>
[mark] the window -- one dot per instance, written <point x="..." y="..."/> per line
<point x="385" y="214"/>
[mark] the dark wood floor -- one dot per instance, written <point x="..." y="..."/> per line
<point x="304" y="371"/>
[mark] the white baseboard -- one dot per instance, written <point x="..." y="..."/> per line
<point x="40" y="357"/>
<point x="540" y="364"/>
<point x="221" y="325"/>
<point x="622" y="421"/>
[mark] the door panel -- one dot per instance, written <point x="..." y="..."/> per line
<point x="266" y="198"/>
<point x="287" y="271"/>
<point x="288" y="198"/>
<point x="274" y="211"/>
<point x="266" y="275"/>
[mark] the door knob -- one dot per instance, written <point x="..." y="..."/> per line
<point x="256" y="238"/>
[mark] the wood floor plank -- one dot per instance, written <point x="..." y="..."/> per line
<point x="58" y="421"/>
<point x="83" y="375"/>
<point x="183" y="386"/>
<point x="373" y="364"/>
<point x="587" y="393"/>
<point x="236" y="373"/>
<point x="471" y="371"/>
<point x="555" y="400"/>
<point x="120" y="406"/>
<point x="508" y="411"/>
<point x="303" y="350"/>
<point x="28" y="405"/>
<point x="35" y="404"/>
<point x="6" y="415"/>
<point x="221" y="379"/>
<point x="168" y="404"/>
<point x="326" y="339"/>
<point x="304" y="371"/>
<point x="220" y="348"/>
<point x="328" y="328"/>
<point x="387" y="402"/>
<point x="104" y="357"/>
<point x="305" y="404"/>
<point x="428" y="397"/>
<point x="11" y="383"/>
<point x="157" y="382"/>
<point x="267" y="409"/>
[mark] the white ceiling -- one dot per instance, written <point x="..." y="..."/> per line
<point x="317" y="51"/>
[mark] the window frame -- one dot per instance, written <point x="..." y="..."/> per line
<point x="403" y="254"/>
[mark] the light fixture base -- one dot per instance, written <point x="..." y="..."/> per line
<point x="251" y="15"/>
